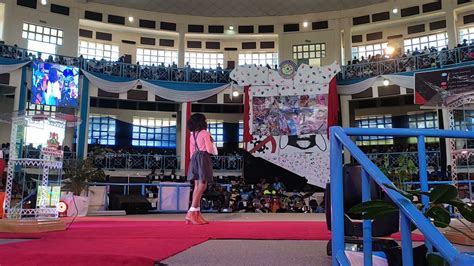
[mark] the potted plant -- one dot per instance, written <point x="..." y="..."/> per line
<point x="440" y="197"/>
<point x="77" y="174"/>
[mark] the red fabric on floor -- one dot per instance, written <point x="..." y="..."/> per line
<point x="123" y="242"/>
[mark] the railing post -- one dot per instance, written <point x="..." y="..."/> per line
<point x="337" y="203"/>
<point x="367" y="223"/>
<point x="407" y="248"/>
<point x="423" y="177"/>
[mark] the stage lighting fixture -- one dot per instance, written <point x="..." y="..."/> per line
<point x="386" y="82"/>
<point x="235" y="93"/>
<point x="130" y="19"/>
<point x="62" y="208"/>
<point x="44" y="2"/>
<point x="305" y="24"/>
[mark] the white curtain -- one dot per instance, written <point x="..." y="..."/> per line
<point x="8" y="68"/>
<point x="182" y="95"/>
<point x="400" y="80"/>
<point x="110" y="86"/>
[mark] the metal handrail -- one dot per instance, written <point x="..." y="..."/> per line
<point x="135" y="71"/>
<point x="408" y="64"/>
<point x="409" y="213"/>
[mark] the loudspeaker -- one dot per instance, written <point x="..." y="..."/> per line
<point x="132" y="204"/>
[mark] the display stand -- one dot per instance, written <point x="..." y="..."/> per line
<point x="44" y="134"/>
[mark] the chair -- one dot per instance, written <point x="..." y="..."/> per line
<point x="381" y="227"/>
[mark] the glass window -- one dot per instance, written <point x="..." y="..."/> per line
<point x="156" y="57"/>
<point x="216" y="128"/>
<point x="423" y="120"/>
<point x="466" y="34"/>
<point x="317" y="51"/>
<point x="102" y="130"/>
<point x="258" y="59"/>
<point x="42" y="33"/>
<point x="438" y="41"/>
<point x="366" y="50"/>
<point x="154" y="132"/>
<point x="99" y="51"/>
<point x="204" y="60"/>
<point x="380" y="121"/>
<point x="241" y="134"/>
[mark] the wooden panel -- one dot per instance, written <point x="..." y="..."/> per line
<point x="86" y="33"/>
<point x="320" y="25"/>
<point x="147" y="41"/>
<point x="249" y="45"/>
<point x="380" y="16"/>
<point x="291" y="27"/>
<point x="356" y="38"/>
<point x="266" y="29"/>
<point x="361" y="20"/>
<point x="103" y="36"/>
<point x="374" y="36"/>
<point x="267" y="45"/>
<point x="196" y="28"/>
<point x="93" y="15"/>
<point x="168" y="26"/>
<point x="436" y="25"/>
<point x="213" y="45"/>
<point x="410" y="11"/>
<point x="215" y="29"/>
<point x="430" y="7"/>
<point x="416" y="28"/>
<point x="140" y="95"/>
<point x="149" y="24"/>
<point x="194" y="44"/>
<point x="167" y="42"/>
<point x="59" y="9"/>
<point x="119" y="20"/>
<point x="246" y="29"/>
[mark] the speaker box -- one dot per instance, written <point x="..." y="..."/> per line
<point x="132" y="204"/>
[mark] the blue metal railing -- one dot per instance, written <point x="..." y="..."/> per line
<point x="340" y="137"/>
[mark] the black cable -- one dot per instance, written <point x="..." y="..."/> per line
<point x="77" y="213"/>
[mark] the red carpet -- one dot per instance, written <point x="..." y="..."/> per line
<point x="142" y="242"/>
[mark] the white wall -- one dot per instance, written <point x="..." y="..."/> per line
<point x="6" y="106"/>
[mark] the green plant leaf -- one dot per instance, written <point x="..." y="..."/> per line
<point x="443" y="193"/>
<point x="436" y="260"/>
<point x="440" y="216"/>
<point x="466" y="211"/>
<point x="370" y="205"/>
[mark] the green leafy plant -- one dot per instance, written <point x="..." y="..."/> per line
<point x="78" y="173"/>
<point x="404" y="171"/>
<point x="440" y="197"/>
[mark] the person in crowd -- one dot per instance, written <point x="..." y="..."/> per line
<point x="200" y="165"/>
<point x="355" y="60"/>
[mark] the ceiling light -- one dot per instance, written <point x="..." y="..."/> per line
<point x="395" y="10"/>
<point x="235" y="93"/>
<point x="386" y="82"/>
<point x="44" y="2"/>
<point x="305" y="24"/>
<point x="130" y="19"/>
<point x="231" y="27"/>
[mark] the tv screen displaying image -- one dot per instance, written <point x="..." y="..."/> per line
<point x="55" y="85"/>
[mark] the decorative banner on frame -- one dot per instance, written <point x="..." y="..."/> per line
<point x="287" y="119"/>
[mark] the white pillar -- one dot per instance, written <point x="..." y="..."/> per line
<point x="448" y="6"/>
<point x="181" y="45"/>
<point x="182" y="137"/>
<point x="346" y="121"/>
<point x="346" y="40"/>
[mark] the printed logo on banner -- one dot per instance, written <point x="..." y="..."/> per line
<point x="287" y="69"/>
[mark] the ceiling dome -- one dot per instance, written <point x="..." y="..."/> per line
<point x="239" y="8"/>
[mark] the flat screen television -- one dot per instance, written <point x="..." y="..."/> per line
<point x="55" y="85"/>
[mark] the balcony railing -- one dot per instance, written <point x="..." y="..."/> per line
<point x="408" y="64"/>
<point x="129" y="161"/>
<point x="120" y="69"/>
<point x="432" y="158"/>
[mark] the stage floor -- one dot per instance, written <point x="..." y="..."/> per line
<point x="230" y="238"/>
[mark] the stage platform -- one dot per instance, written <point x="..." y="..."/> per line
<point x="234" y="238"/>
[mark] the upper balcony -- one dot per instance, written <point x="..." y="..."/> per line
<point x="414" y="63"/>
<point x="419" y="62"/>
